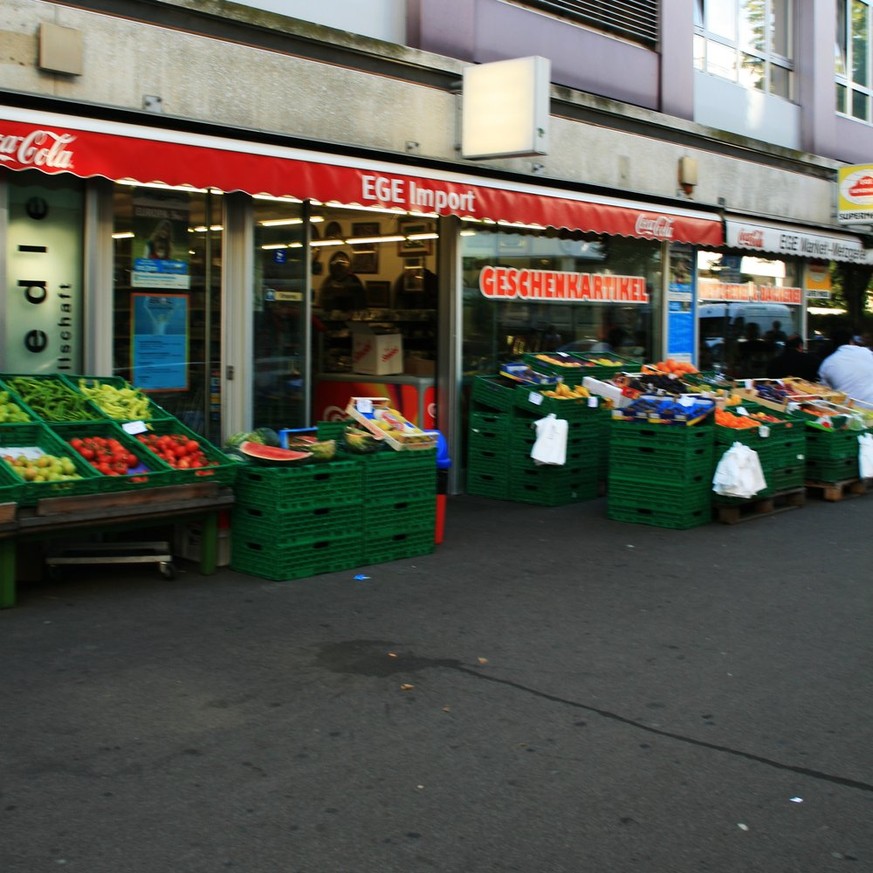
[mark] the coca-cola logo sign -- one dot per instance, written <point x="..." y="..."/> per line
<point x="753" y="239"/>
<point x="654" y="227"/>
<point x="39" y="148"/>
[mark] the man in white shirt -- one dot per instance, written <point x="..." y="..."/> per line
<point x="849" y="368"/>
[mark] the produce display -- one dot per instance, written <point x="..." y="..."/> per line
<point x="51" y="399"/>
<point x="377" y="417"/>
<point x="107" y="455"/>
<point x="179" y="450"/>
<point x="34" y="465"/>
<point x="566" y="392"/>
<point x="667" y="410"/>
<point x="10" y="411"/>
<point x="562" y="359"/>
<point x="122" y="403"/>
<point x="753" y="419"/>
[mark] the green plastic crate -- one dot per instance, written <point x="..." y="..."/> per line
<point x="38" y="437"/>
<point x="14" y="402"/>
<point x="153" y="410"/>
<point x="335" y="483"/>
<point x="50" y="398"/>
<point x="531" y="402"/>
<point x="487" y="428"/>
<point x="295" y="561"/>
<point x="399" y="516"/>
<point x="221" y="470"/>
<point x="493" y="392"/>
<point x="553" y="486"/>
<point x="494" y="460"/>
<point x="11" y="486"/>
<point x="666" y="462"/>
<point x="150" y="473"/>
<point x="488" y="483"/>
<point x="660" y="435"/>
<point x="787" y="478"/>
<point x="831" y="445"/>
<point x="332" y="430"/>
<point x="658" y="517"/>
<point x="260" y="524"/>
<point x="395" y="475"/>
<point x="393" y="547"/>
<point x="834" y="470"/>
<point x="659" y="494"/>
<point x="571" y="375"/>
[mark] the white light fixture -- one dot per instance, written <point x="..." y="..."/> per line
<point x="321" y="243"/>
<point x="124" y="234"/>
<point x="505" y="108"/>
<point x="420" y="236"/>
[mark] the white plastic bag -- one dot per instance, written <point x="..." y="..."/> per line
<point x="739" y="473"/>
<point x="551" y="442"/>
<point x="865" y="456"/>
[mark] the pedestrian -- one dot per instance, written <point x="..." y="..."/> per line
<point x="776" y="334"/>
<point x="849" y="368"/>
<point x="794" y="360"/>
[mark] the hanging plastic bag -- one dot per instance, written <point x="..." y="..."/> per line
<point x="550" y="446"/>
<point x="739" y="473"/>
<point x="865" y="456"/>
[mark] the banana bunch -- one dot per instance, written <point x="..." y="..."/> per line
<point x="562" y="391"/>
<point x="124" y="404"/>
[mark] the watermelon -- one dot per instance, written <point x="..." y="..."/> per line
<point x="267" y="436"/>
<point x="237" y="439"/>
<point x="273" y="454"/>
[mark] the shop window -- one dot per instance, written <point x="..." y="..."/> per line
<point x="747" y="306"/>
<point x="167" y="300"/>
<point x="748" y="42"/>
<point x="529" y="292"/>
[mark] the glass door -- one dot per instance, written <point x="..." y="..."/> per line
<point x="280" y="367"/>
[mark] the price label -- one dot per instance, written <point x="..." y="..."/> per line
<point x="364" y="405"/>
<point x="134" y="427"/>
<point x="536" y="398"/>
<point x="593" y="401"/>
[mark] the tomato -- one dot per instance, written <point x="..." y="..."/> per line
<point x="87" y="453"/>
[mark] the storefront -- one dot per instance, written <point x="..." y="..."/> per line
<point x="250" y="283"/>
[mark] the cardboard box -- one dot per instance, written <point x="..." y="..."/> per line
<point x="376" y="354"/>
<point x="418" y="366"/>
<point x="400" y="434"/>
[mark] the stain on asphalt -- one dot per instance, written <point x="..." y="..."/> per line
<point x="382" y="658"/>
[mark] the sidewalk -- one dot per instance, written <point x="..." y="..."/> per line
<point x="548" y="691"/>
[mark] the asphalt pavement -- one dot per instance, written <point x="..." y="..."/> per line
<point x="550" y="691"/>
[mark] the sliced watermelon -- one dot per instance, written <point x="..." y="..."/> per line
<point x="273" y="454"/>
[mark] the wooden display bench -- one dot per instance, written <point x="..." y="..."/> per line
<point x="58" y="516"/>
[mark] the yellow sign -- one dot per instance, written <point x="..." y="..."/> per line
<point x="855" y="194"/>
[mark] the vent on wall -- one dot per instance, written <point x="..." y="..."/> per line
<point x="636" y="20"/>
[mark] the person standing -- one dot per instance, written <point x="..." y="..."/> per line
<point x="793" y="361"/>
<point x="849" y="368"/>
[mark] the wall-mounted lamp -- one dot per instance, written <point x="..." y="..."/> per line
<point x="687" y="174"/>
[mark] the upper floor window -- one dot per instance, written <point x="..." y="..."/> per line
<point x="852" y="58"/>
<point x="636" y="20"/>
<point x="746" y="41"/>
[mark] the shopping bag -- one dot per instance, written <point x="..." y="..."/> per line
<point x="865" y="456"/>
<point x="550" y="446"/>
<point x="739" y="473"/>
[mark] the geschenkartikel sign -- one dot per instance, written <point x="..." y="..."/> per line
<point x="544" y="286"/>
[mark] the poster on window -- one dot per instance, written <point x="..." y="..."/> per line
<point x="159" y="341"/>
<point x="160" y="245"/>
<point x="680" y="304"/>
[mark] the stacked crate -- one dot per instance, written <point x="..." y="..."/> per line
<point x="660" y="474"/>
<point x="501" y="435"/>
<point x="781" y="449"/>
<point x="831" y="454"/>
<point x="296" y="521"/>
<point x="492" y="404"/>
<point x="399" y="504"/>
<point x="555" y="485"/>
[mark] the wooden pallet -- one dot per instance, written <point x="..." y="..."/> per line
<point x="837" y="490"/>
<point x="761" y="507"/>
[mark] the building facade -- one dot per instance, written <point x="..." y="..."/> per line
<point x="256" y="217"/>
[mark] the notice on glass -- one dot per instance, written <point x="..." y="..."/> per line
<point x="160" y="226"/>
<point x="159" y="341"/>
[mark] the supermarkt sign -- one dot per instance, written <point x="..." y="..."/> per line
<point x="855" y="194"/>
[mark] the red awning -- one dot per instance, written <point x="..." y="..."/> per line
<point x="90" y="148"/>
